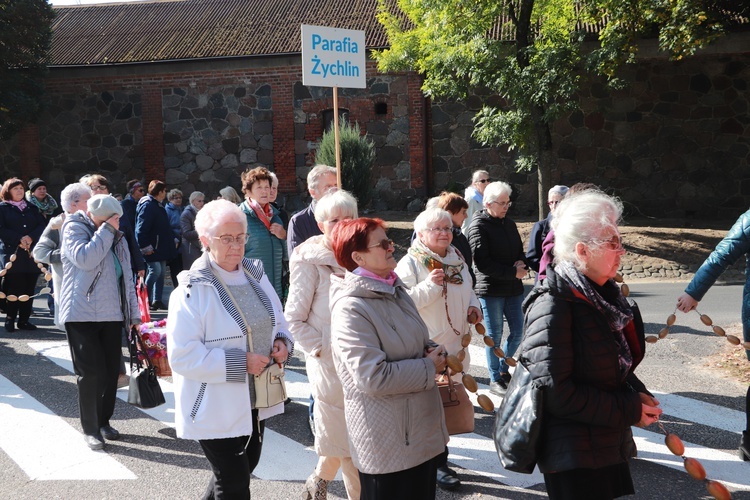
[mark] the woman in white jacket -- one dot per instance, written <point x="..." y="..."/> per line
<point x="440" y="285"/>
<point x="308" y="312"/>
<point x="211" y="353"/>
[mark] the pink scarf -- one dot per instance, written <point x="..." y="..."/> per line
<point x="21" y="205"/>
<point x="265" y="214"/>
<point x="390" y="280"/>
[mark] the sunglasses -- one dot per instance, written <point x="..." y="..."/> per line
<point x="385" y="244"/>
<point x="98" y="188"/>
<point x="484" y="181"/>
<point x="553" y="203"/>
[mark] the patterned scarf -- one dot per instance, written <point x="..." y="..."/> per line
<point x="20" y="205"/>
<point x="452" y="272"/>
<point x="265" y="214"/>
<point x="618" y="314"/>
<point x="47" y="207"/>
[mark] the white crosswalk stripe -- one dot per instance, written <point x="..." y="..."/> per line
<point x="66" y="457"/>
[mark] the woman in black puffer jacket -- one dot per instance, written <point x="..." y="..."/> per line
<point x="499" y="267"/>
<point x="582" y="343"/>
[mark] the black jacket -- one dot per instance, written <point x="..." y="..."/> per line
<point x="14" y="225"/>
<point x="495" y="246"/>
<point x="572" y="353"/>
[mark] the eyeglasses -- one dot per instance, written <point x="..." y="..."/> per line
<point x="227" y="239"/>
<point x="484" y="181"/>
<point x="439" y="229"/>
<point x="614" y="243"/>
<point x="385" y="244"/>
<point x="501" y="204"/>
<point x="140" y="190"/>
<point x="98" y="188"/>
<point x="553" y="203"/>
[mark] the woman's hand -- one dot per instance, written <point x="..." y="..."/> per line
<point x="26" y="242"/>
<point x="437" y="355"/>
<point x="279" y="353"/>
<point x="474" y="315"/>
<point x="650" y="410"/>
<point x="437" y="276"/>
<point x="278" y="230"/>
<point x="686" y="303"/>
<point x="256" y="363"/>
<point x="521" y="270"/>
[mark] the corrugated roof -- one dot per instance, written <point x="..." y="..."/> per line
<point x="194" y="29"/>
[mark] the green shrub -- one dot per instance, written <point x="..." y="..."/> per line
<point x="357" y="157"/>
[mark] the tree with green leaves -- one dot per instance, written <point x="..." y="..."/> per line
<point x="357" y="157"/>
<point x="535" y="54"/>
<point x="25" y="37"/>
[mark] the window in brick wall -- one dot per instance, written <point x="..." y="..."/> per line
<point x="381" y="108"/>
<point x="328" y="118"/>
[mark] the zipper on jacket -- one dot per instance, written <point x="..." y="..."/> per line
<point x="93" y="285"/>
<point x="406" y="437"/>
<point x="157" y="242"/>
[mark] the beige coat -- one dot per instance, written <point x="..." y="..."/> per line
<point x="309" y="317"/>
<point x="428" y="297"/>
<point x="394" y="414"/>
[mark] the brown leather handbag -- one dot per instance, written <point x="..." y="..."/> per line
<point x="457" y="407"/>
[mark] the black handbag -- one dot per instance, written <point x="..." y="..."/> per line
<point x="518" y="423"/>
<point x="144" y="390"/>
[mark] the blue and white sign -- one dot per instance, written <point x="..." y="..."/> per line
<point x="333" y="57"/>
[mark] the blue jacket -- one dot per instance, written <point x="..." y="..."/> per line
<point x="90" y="290"/>
<point x="128" y="209"/>
<point x="174" y="212"/>
<point x="266" y="247"/>
<point x="734" y="245"/>
<point x="302" y="226"/>
<point x="152" y="229"/>
<point x="14" y="225"/>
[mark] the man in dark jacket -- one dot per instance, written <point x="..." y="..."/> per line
<point x="302" y="226"/>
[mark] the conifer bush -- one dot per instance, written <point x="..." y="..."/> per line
<point x="357" y="158"/>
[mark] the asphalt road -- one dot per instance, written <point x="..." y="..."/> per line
<point x="42" y="454"/>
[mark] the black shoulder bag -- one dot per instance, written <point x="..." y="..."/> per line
<point x="144" y="390"/>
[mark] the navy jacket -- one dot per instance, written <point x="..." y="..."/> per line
<point x="153" y="229"/>
<point x="14" y="225"/>
<point x="302" y="226"/>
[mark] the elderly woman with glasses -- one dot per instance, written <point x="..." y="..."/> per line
<point x="309" y="315"/>
<point x="440" y="285"/>
<point x="72" y="199"/>
<point x="387" y="365"/>
<point x="225" y="325"/>
<point x="583" y="341"/>
<point x="499" y="267"/>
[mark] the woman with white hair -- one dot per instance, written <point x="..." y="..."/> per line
<point x="583" y="341"/>
<point x="542" y="228"/>
<point x="499" y="268"/>
<point x="72" y="199"/>
<point x="225" y="324"/>
<point x="191" y="244"/>
<point x="309" y="316"/>
<point x="440" y="285"/>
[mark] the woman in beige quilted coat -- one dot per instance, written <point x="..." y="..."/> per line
<point x="309" y="317"/>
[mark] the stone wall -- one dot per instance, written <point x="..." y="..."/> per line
<point x="674" y="142"/>
<point x="97" y="132"/>
<point x="211" y="135"/>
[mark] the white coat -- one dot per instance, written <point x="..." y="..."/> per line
<point x="206" y="345"/>
<point x="309" y="315"/>
<point x="428" y="297"/>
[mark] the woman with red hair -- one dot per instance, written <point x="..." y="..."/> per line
<point x="387" y="366"/>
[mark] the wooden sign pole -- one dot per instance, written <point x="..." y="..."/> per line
<point x="336" y="134"/>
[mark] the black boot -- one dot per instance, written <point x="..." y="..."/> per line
<point x="10" y="327"/>
<point x="745" y="446"/>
